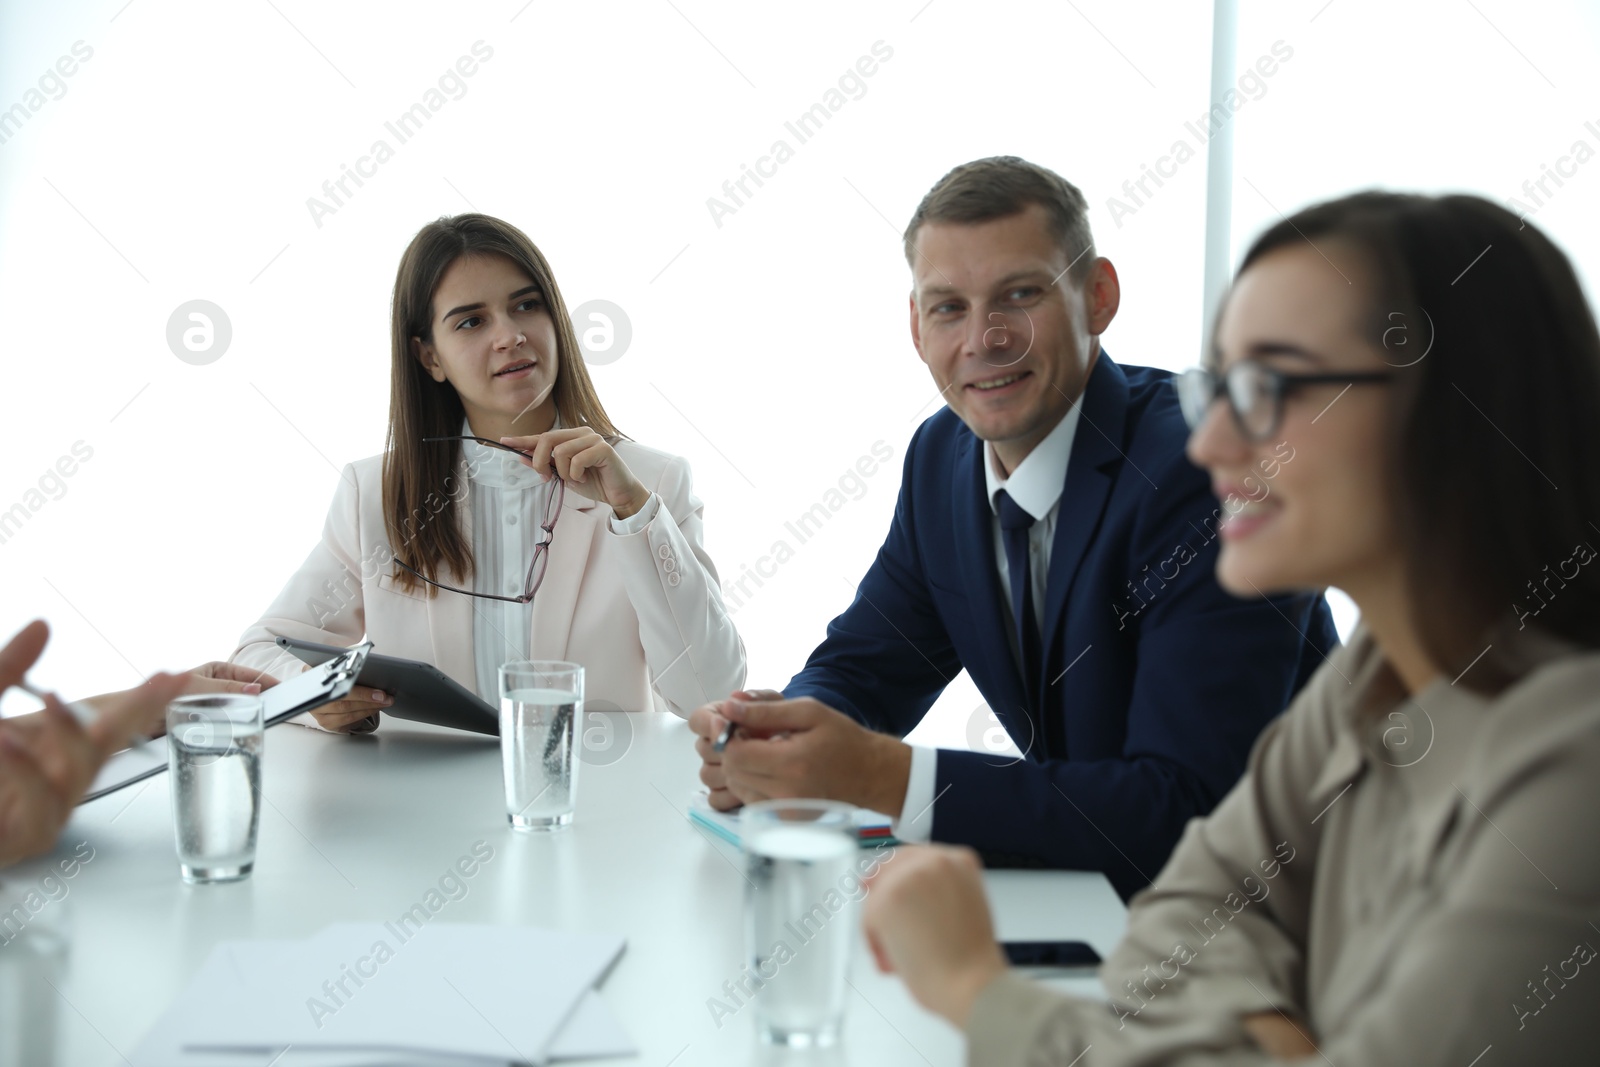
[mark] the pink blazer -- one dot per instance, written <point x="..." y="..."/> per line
<point x="642" y="612"/>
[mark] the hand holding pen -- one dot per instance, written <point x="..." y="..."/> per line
<point x="729" y="730"/>
<point x="715" y="732"/>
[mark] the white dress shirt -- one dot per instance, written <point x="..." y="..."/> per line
<point x="1036" y="487"/>
<point x="508" y="503"/>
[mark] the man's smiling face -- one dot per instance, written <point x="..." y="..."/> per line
<point x="1007" y="333"/>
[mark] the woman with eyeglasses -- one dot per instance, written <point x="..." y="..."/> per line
<point x="1408" y="873"/>
<point x="508" y="518"/>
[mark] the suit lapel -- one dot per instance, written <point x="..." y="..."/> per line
<point x="575" y="532"/>
<point x="990" y="624"/>
<point x="1096" y="452"/>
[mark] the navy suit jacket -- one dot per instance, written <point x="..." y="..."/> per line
<point x="1155" y="681"/>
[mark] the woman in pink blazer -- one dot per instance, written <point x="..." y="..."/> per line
<point x="454" y="549"/>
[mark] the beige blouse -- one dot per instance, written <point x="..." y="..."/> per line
<point x="1415" y="880"/>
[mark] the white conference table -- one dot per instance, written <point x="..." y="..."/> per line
<point x="360" y="828"/>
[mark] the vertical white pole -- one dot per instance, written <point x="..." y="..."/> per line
<point x="1219" y="166"/>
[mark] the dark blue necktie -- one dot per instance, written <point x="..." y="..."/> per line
<point x="1015" y="523"/>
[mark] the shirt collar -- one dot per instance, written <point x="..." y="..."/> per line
<point x="1037" y="482"/>
<point x="495" y="467"/>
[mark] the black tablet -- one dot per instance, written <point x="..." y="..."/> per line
<point x="421" y="691"/>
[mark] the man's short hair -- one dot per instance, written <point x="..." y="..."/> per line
<point x="999" y="186"/>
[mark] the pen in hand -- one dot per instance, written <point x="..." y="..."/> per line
<point x="727" y="734"/>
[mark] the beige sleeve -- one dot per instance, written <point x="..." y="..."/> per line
<point x="1224" y="923"/>
<point x="1018" y="1023"/>
<point x="1504" y="954"/>
<point x="1242" y="878"/>
<point x="693" y="652"/>
<point x="1500" y="958"/>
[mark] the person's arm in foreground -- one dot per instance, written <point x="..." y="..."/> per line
<point x="1457" y="985"/>
<point x="1245" y="984"/>
<point x="47" y="760"/>
<point x="927" y="918"/>
<point x="214" y="677"/>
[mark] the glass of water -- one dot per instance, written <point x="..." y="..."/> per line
<point x="33" y="959"/>
<point x="541" y="710"/>
<point x="801" y="916"/>
<point x="214" y="752"/>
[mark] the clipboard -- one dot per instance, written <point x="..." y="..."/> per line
<point x="421" y="691"/>
<point x="320" y="685"/>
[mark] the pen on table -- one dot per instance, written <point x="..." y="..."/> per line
<point x="80" y="711"/>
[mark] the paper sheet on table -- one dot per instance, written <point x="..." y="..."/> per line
<point x="313" y="1058"/>
<point x="592" y="1032"/>
<point x="448" y="993"/>
<point x="446" y="988"/>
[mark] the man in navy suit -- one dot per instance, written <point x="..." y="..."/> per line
<point x="1052" y="539"/>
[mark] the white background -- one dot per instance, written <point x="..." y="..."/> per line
<point x="772" y="350"/>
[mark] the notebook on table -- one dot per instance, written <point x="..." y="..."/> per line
<point x="871" y="828"/>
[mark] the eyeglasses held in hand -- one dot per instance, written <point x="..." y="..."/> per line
<point x="1254" y="392"/>
<point x="541" y="551"/>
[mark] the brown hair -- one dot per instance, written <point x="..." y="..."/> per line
<point x="419" y="480"/>
<point x="999" y="186"/>
<point x="1495" y="472"/>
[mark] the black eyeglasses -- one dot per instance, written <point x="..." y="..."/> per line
<point x="1254" y="392"/>
<point x="541" y="551"/>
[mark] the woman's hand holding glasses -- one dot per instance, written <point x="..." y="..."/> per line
<point x="587" y="463"/>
